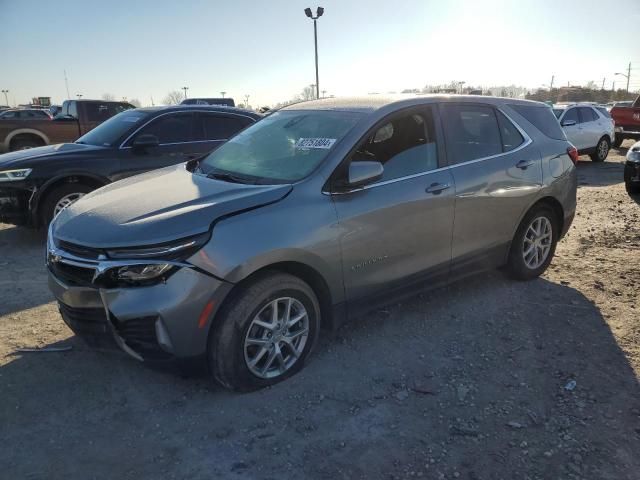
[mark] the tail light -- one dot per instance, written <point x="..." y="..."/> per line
<point x="573" y="154"/>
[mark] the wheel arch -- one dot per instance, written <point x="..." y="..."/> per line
<point x="89" y="179"/>
<point x="31" y="132"/>
<point x="304" y="272"/>
<point x="552" y="203"/>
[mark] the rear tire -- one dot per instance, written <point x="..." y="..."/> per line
<point x="617" y="141"/>
<point x="602" y="150"/>
<point x="68" y="192"/>
<point x="239" y="348"/>
<point x="521" y="264"/>
<point x="25" y="144"/>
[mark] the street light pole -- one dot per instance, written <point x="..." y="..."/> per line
<point x="308" y="13"/>
<point x="185" y="92"/>
<point x="627" y="75"/>
<point x="223" y="94"/>
<point x="6" y="100"/>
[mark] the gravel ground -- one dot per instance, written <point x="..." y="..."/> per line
<point x="485" y="379"/>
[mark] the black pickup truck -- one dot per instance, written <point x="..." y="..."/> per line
<point x="76" y="118"/>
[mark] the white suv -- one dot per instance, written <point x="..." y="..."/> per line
<point x="589" y="127"/>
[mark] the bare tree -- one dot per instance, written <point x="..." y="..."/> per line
<point x="109" y="97"/>
<point x="135" y="102"/>
<point x="308" y="93"/>
<point x="173" y="98"/>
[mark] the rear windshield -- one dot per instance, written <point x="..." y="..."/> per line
<point x="604" y="111"/>
<point x="543" y="118"/>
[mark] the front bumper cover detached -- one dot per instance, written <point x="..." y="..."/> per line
<point x="150" y="323"/>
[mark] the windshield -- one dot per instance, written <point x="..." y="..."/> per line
<point x="558" y="111"/>
<point x="284" y="147"/>
<point x="109" y="132"/>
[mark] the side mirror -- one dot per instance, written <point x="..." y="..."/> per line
<point x="145" y="140"/>
<point x="568" y="123"/>
<point x="364" y="173"/>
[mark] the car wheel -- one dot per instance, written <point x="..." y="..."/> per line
<point x="617" y="140"/>
<point x="25" y="144"/>
<point x="60" y="198"/>
<point x="264" y="333"/>
<point x="534" y="244"/>
<point x="602" y="150"/>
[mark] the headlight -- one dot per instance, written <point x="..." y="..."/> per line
<point x="176" y="250"/>
<point x="142" y="273"/>
<point x="14" y="175"/>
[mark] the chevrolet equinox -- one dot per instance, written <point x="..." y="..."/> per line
<point x="319" y="212"/>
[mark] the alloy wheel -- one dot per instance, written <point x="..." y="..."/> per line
<point x="537" y="243"/>
<point x="603" y="149"/>
<point x="276" y="337"/>
<point x="66" y="201"/>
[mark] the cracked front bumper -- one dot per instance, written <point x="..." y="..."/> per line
<point x="157" y="322"/>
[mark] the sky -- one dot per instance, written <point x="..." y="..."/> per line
<point x="143" y="49"/>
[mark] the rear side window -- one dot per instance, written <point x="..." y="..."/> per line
<point x="511" y="137"/>
<point x="587" y="114"/>
<point x="174" y="128"/>
<point x="603" y="111"/>
<point x="406" y="145"/>
<point x="572" y="114"/>
<point x="99" y="112"/>
<point x="542" y="118"/>
<point x="472" y="132"/>
<point x="222" y="127"/>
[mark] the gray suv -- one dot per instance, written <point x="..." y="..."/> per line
<point x="318" y="212"/>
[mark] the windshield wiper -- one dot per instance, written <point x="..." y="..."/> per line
<point x="229" y="177"/>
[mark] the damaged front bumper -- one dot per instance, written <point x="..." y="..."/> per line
<point x="15" y="201"/>
<point x="164" y="321"/>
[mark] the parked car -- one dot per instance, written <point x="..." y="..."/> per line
<point x="36" y="184"/>
<point x="588" y="126"/>
<point x="229" y="102"/>
<point x="25" y="114"/>
<point x="627" y="122"/>
<point x="322" y="210"/>
<point x="76" y="118"/>
<point x="632" y="169"/>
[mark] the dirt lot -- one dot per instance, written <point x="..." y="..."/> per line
<point x="475" y="381"/>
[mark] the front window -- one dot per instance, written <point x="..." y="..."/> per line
<point x="283" y="147"/>
<point x="108" y="134"/>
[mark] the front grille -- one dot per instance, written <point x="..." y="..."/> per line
<point x="140" y="335"/>
<point x="92" y="321"/>
<point x="72" y="275"/>
<point x="79" y="250"/>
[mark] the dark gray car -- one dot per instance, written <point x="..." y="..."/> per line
<point x="318" y="212"/>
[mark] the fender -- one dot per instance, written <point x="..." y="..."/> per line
<point x="19" y="131"/>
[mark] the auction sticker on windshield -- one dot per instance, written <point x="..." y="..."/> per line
<point x="323" y="143"/>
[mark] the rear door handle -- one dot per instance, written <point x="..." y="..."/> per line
<point x="524" y="164"/>
<point x="436" y="188"/>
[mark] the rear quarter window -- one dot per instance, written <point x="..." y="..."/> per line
<point x="541" y="117"/>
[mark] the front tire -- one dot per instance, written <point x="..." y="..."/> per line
<point x="265" y="333"/>
<point x="602" y="150"/>
<point x="60" y="198"/>
<point x="534" y="244"/>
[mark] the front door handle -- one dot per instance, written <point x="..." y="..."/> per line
<point x="524" y="164"/>
<point x="436" y="188"/>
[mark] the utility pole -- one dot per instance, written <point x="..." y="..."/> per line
<point x="553" y="77"/>
<point x="628" y="76"/>
<point x="185" y="92"/>
<point x="246" y="101"/>
<point x="603" y="79"/>
<point x="324" y="93"/>
<point x="6" y="100"/>
<point x="152" y="104"/>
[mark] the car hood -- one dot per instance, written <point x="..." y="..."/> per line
<point x="157" y="207"/>
<point x="31" y="156"/>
